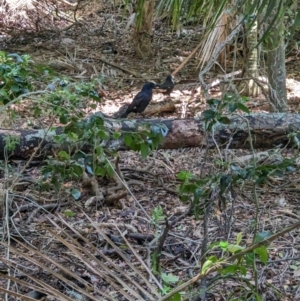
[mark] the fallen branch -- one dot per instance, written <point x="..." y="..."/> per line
<point x="266" y="130"/>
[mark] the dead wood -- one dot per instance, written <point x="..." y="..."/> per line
<point x="166" y="106"/>
<point x="261" y="130"/>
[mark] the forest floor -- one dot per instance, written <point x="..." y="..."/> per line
<point x="102" y="46"/>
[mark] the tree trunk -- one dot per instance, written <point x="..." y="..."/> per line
<point x="143" y="31"/>
<point x="223" y="26"/>
<point x="276" y="63"/>
<point x="267" y="131"/>
<point x="252" y="89"/>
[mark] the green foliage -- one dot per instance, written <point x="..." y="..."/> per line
<point x="175" y="297"/>
<point x="158" y="214"/>
<point x="239" y="267"/>
<point x="197" y="190"/>
<point x="294" y="138"/>
<point x="11" y="142"/>
<point x="168" y="279"/>
<point x="69" y="213"/>
<point x="67" y="101"/>
<point x="147" y="140"/>
<point x="217" y="108"/>
<point x="16" y="73"/>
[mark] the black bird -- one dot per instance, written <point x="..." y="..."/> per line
<point x="141" y="100"/>
<point x="168" y="84"/>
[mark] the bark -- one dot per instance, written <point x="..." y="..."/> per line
<point x="143" y="32"/>
<point x="223" y="25"/>
<point x="276" y="63"/>
<point x="152" y="109"/>
<point x="267" y="131"/>
<point x="252" y="89"/>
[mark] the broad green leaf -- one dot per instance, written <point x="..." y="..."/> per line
<point x="145" y="151"/>
<point x="175" y="297"/>
<point x="225" y="120"/>
<point x="243" y="108"/>
<point x="127" y="140"/>
<point x="262" y="236"/>
<point x="63" y="118"/>
<point x="15" y="88"/>
<point x="116" y="135"/>
<point x="234" y="248"/>
<point x="207" y="264"/>
<point x="223" y="245"/>
<point x="231" y="269"/>
<point x="100" y="171"/>
<point x="184" y="175"/>
<point x="263" y="254"/>
<point x="208" y="114"/>
<point x="63" y="155"/>
<point x="77" y="169"/>
<point x="103" y="135"/>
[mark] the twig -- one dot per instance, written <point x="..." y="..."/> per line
<point x="229" y="259"/>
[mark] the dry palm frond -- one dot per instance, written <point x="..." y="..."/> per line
<point x="128" y="283"/>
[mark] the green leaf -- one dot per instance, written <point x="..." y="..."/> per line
<point x="184" y="175"/>
<point x="249" y="258"/>
<point x="116" y="135"/>
<point x="262" y="236"/>
<point x="169" y="278"/>
<point x="94" y="95"/>
<point x="243" y="108"/>
<point x="213" y="102"/>
<point x="103" y="135"/>
<point x="16" y="56"/>
<point x="184" y="198"/>
<point x="37" y="111"/>
<point x="197" y="195"/>
<point x="63" y="118"/>
<point x="15" y="88"/>
<point x="69" y="213"/>
<point x="76" y="193"/>
<point x="175" y="297"/>
<point x="224" y="120"/>
<point x="263" y="254"/>
<point x="128" y="140"/>
<point x="234" y="248"/>
<point x="77" y="169"/>
<point x="189" y="188"/>
<point x="63" y="155"/>
<point x="225" y="182"/>
<point x="231" y="269"/>
<point x="208" y="114"/>
<point x="145" y="150"/>
<point x="223" y="245"/>
<point x="239" y="238"/>
<point x="232" y="107"/>
<point x="3" y="93"/>
<point x="100" y="171"/>
<point x="208" y="264"/>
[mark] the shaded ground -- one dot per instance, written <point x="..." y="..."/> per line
<point x="81" y="53"/>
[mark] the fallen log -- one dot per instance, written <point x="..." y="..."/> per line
<point x="165" y="106"/>
<point x="267" y="131"/>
